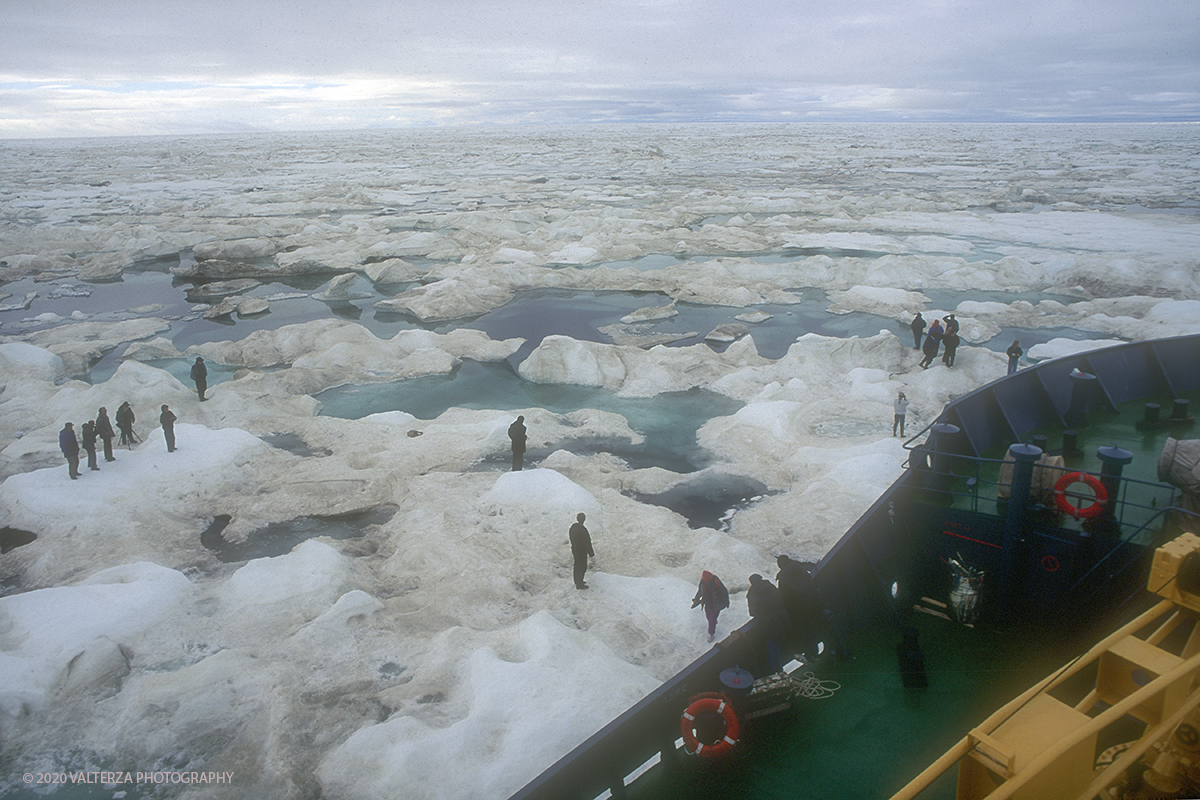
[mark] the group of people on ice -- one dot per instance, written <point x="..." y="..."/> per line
<point x="946" y="336"/>
<point x="101" y="428"/>
<point x="937" y="337"/>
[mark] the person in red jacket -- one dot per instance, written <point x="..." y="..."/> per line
<point x="713" y="596"/>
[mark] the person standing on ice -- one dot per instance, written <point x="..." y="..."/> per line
<point x="89" y="443"/>
<point x="936" y="332"/>
<point x="200" y="377"/>
<point x="951" y="325"/>
<point x="581" y="548"/>
<point x="516" y="432"/>
<point x="930" y="348"/>
<point x="918" y="328"/>
<point x="900" y="409"/>
<point x="713" y="596"/>
<point x="70" y="448"/>
<point x="1014" y="353"/>
<point x="125" y="421"/>
<point x="104" y="430"/>
<point x="167" y="418"/>
<point x="950" y="340"/>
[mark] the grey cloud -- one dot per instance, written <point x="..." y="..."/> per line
<point x="536" y="60"/>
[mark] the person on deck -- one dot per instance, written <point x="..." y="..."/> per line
<point x="918" y="328"/>
<point x="713" y="596"/>
<point x="200" y="377"/>
<point x="765" y="605"/>
<point x="802" y="602"/>
<point x="581" y="548"/>
<point x="167" y="418"/>
<point x="104" y="430"/>
<point x="516" y="432"/>
<point x="70" y="448"/>
<point x="89" y="443"/>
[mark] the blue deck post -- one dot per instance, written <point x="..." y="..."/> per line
<point x="1112" y="461"/>
<point x="941" y="439"/>
<point x="1024" y="457"/>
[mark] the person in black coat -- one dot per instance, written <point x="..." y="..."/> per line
<point x="89" y="443"/>
<point x="167" y="418"/>
<point x="581" y="548"/>
<point x="1014" y="353"/>
<point x="802" y="602"/>
<point x="912" y="661"/>
<point x="950" y="343"/>
<point x="125" y="420"/>
<point x="951" y="325"/>
<point x="104" y="430"/>
<point x="765" y="605"/>
<point x="200" y="376"/>
<point x="918" y="328"/>
<point x="70" y="448"/>
<point x="516" y="432"/>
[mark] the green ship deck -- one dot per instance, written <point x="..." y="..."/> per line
<point x="871" y="735"/>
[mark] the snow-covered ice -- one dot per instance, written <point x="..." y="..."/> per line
<point x="427" y="615"/>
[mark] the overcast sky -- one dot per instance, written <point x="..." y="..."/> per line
<point x="115" y="67"/>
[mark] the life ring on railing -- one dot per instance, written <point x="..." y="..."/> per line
<point x="709" y="703"/>
<point x="1080" y="511"/>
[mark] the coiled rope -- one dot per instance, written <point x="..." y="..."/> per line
<point x="813" y="689"/>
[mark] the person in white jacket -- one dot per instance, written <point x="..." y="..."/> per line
<point x="901" y="409"/>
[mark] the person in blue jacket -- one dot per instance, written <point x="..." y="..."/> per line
<point x="933" y="341"/>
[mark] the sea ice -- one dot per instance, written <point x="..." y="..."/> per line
<point x="447" y="630"/>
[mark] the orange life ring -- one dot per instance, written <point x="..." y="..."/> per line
<point x="709" y="702"/>
<point x="1081" y="511"/>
